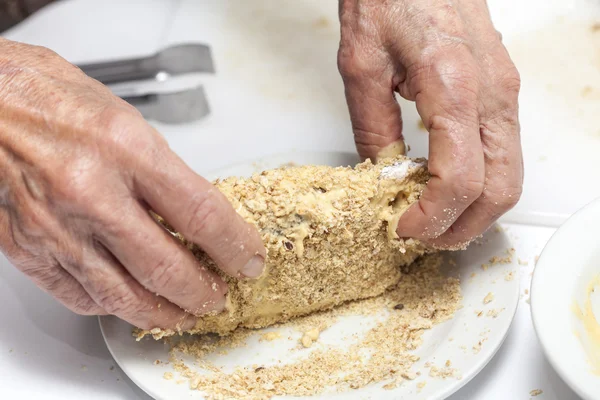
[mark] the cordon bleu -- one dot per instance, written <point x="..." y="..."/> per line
<point x="329" y="234"/>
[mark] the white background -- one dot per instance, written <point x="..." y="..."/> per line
<point x="277" y="89"/>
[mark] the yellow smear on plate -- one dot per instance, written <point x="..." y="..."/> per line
<point x="591" y="327"/>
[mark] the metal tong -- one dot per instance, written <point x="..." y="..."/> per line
<point x="169" y="107"/>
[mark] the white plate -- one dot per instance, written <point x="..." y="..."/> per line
<point x="453" y="340"/>
<point x="569" y="263"/>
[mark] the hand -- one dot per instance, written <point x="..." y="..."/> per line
<point x="447" y="57"/>
<point x="80" y="170"/>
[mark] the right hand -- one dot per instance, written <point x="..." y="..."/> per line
<point x="80" y="170"/>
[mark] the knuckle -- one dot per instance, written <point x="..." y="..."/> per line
<point x="84" y="305"/>
<point x="205" y="217"/>
<point x="120" y="300"/>
<point x="44" y="52"/>
<point x="467" y="188"/>
<point x="347" y="64"/>
<point x="165" y="272"/>
<point x="116" y="127"/>
<point x="512" y="81"/>
<point x="126" y="135"/>
<point x="504" y="200"/>
<point x="355" y="64"/>
<point x="456" y="81"/>
<point x="78" y="180"/>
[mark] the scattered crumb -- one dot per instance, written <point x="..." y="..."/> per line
<point x="473" y="275"/>
<point x="269" y="336"/>
<point x="168" y="376"/>
<point x="509" y="276"/>
<point x="498" y="229"/>
<point x="156" y="362"/>
<point x="314" y="333"/>
<point x="494" y="312"/>
<point x="595" y="27"/>
<point x="444" y="372"/>
<point x="290" y="164"/>
<point x="479" y="313"/>
<point x="310" y="336"/>
<point x="586" y="91"/>
<point x="180" y="381"/>
<point x="495" y="260"/>
<point x="536" y="392"/>
<point x="306" y="341"/>
<point x="321" y="22"/>
<point x="421" y="125"/>
<point x="112" y="367"/>
<point x="394" y="384"/>
<point x="536" y="259"/>
<point x="485" y="266"/>
<point x="421" y="385"/>
<point x="477" y="346"/>
<point x="427" y="296"/>
<point x="488" y="298"/>
<point x="522" y="262"/>
<point x="526" y="291"/>
<point x="409" y="375"/>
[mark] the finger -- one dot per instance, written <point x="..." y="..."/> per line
<point x="196" y="209"/>
<point x="117" y="292"/>
<point x="504" y="166"/>
<point x="446" y="92"/>
<point x="161" y="264"/>
<point x="57" y="282"/>
<point x="369" y="81"/>
<point x="48" y="275"/>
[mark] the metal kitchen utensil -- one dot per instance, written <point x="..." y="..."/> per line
<point x="172" y="108"/>
<point x="173" y="60"/>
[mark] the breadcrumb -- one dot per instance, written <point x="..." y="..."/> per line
<point x="488" y="298"/>
<point x="269" y="336"/>
<point x="428" y="297"/>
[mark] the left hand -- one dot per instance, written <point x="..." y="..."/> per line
<point x="447" y="57"/>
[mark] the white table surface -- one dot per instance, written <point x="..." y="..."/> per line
<point x="277" y="89"/>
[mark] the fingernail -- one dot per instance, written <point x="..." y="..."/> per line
<point x="219" y="305"/>
<point x="188" y="323"/>
<point x="254" y="267"/>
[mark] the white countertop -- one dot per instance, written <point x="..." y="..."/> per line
<point x="277" y="89"/>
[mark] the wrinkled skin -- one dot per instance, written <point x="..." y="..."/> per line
<point x="80" y="171"/>
<point x="447" y="57"/>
